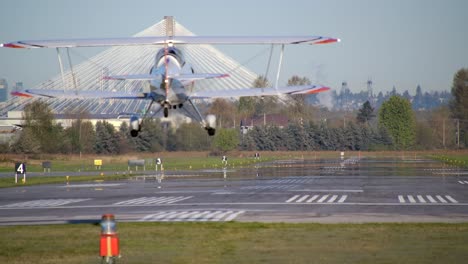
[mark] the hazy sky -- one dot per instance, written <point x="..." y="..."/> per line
<point x="399" y="43"/>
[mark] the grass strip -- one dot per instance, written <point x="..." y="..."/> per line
<point x="240" y="243"/>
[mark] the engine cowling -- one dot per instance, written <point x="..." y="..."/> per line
<point x="211" y="124"/>
<point x="211" y="121"/>
<point x="135" y="126"/>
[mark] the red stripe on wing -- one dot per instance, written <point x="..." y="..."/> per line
<point x="319" y="90"/>
<point x="21" y="94"/>
<point x="14" y="46"/>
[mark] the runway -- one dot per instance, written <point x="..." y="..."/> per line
<point x="353" y="190"/>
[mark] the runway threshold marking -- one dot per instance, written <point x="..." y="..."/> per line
<point x="44" y="203"/>
<point x="193" y="216"/>
<point x="444" y="199"/>
<point x="154" y="200"/>
<point x="463" y="182"/>
<point x="322" y="198"/>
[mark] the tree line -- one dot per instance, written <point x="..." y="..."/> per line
<point x="395" y="125"/>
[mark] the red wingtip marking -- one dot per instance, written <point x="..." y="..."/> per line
<point x="21" y="94"/>
<point x="325" y="41"/>
<point x="319" y="90"/>
<point x="14" y="46"/>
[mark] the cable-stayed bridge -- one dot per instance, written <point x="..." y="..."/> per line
<point x="122" y="60"/>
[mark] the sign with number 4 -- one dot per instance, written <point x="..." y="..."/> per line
<point x="20" y="168"/>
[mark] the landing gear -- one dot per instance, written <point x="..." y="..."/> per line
<point x="166" y="112"/>
<point x="211" y="131"/>
<point x="134" y="133"/>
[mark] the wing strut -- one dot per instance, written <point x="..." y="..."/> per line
<point x="279" y="66"/>
<point x="198" y="112"/>
<point x="268" y="65"/>
<point x="71" y="69"/>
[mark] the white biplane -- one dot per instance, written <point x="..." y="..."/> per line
<point x="172" y="78"/>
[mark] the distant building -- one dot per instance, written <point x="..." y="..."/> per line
<point x="278" y="120"/>
<point x="18" y="86"/>
<point x="3" y="90"/>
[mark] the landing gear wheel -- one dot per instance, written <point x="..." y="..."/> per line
<point x="166" y="112"/>
<point x="134" y="133"/>
<point x="211" y="131"/>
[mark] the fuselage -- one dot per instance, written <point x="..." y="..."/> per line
<point x="167" y="90"/>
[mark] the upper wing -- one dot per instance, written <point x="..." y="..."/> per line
<point x="180" y="77"/>
<point x="129" y="41"/>
<point x="292" y="90"/>
<point x="70" y="94"/>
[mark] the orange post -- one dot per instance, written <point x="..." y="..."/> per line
<point x="109" y="246"/>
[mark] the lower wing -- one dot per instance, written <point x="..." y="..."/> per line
<point x="291" y="90"/>
<point x="70" y="94"/>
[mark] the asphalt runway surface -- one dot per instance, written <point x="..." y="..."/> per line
<point x="353" y="190"/>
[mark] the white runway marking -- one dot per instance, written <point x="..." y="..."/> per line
<point x="292" y="198"/>
<point x="451" y="199"/>
<point x="332" y="199"/>
<point x="289" y="181"/>
<point x="421" y="199"/>
<point x="45" y="203"/>
<point x="193" y="216"/>
<point x="441" y="199"/>
<point x="463" y="182"/>
<point x="302" y="199"/>
<point x="401" y="199"/>
<point x="94" y="185"/>
<point x="328" y="190"/>
<point x="268" y="187"/>
<point x="154" y="200"/>
<point x="343" y="198"/>
<point x="312" y="199"/>
<point x="431" y="199"/>
<point x="321" y="198"/>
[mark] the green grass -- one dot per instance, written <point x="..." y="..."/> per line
<point x="120" y="163"/>
<point x="10" y="182"/>
<point x="240" y="243"/>
<point x="458" y="160"/>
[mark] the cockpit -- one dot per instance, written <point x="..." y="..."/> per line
<point x="171" y="51"/>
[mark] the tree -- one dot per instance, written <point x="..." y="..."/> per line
<point x="443" y="127"/>
<point x="79" y="137"/>
<point x="124" y="138"/>
<point x="40" y="133"/>
<point x="366" y="113"/>
<point x="191" y="137"/>
<point x="396" y="115"/>
<point x="298" y="108"/>
<point x="226" y="139"/>
<point x="224" y="111"/>
<point x="248" y="105"/>
<point x="459" y="102"/>
<point x="151" y="137"/>
<point x="267" y="104"/>
<point x="106" y="139"/>
<point x="418" y="98"/>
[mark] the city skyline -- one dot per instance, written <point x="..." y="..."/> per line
<point x="398" y="43"/>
